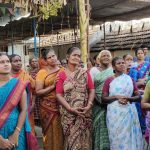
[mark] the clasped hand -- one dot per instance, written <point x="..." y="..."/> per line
<point x="9" y="143"/>
<point x="122" y="99"/>
<point x="81" y="111"/>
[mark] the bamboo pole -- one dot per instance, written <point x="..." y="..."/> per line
<point x="104" y="35"/>
<point x="83" y="22"/>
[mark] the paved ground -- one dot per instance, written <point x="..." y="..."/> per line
<point x="38" y="131"/>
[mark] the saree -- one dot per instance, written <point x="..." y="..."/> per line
<point x="143" y="71"/>
<point x="10" y="95"/>
<point x="122" y="120"/>
<point x="77" y="130"/>
<point x="49" y="113"/>
<point x="37" y="121"/>
<point x="24" y="76"/>
<point x="100" y="137"/>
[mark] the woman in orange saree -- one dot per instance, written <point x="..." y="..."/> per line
<point x="18" y="72"/>
<point x="49" y="111"/>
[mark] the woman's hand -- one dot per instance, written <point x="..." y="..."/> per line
<point x="76" y="111"/>
<point x="117" y="97"/>
<point x="14" y="138"/>
<point x="123" y="101"/>
<point x="84" y="110"/>
<point x="5" y="143"/>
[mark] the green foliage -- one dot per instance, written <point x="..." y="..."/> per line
<point x="50" y="9"/>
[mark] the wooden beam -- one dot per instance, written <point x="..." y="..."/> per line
<point x="7" y="5"/>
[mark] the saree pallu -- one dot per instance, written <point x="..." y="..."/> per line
<point x="24" y="76"/>
<point x="77" y="130"/>
<point x="122" y="120"/>
<point x="100" y="137"/>
<point x="50" y="117"/>
<point x="10" y="95"/>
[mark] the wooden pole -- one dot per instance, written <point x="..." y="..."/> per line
<point x="12" y="44"/>
<point x="104" y="36"/>
<point x="35" y="42"/>
<point x="83" y="22"/>
<point x="88" y="12"/>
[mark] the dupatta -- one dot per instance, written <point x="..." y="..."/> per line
<point x="12" y="100"/>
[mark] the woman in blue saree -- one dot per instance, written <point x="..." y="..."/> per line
<point x="119" y="91"/>
<point x="143" y="69"/>
<point x="14" y="124"/>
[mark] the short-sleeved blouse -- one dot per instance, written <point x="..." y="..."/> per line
<point x="62" y="77"/>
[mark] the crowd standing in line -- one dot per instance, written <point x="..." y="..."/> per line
<point x="103" y="107"/>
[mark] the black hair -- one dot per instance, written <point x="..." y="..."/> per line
<point x="144" y="46"/>
<point x="71" y="49"/>
<point x="95" y="57"/>
<point x="12" y="56"/>
<point x="136" y="51"/>
<point x="43" y="50"/>
<point x="47" y="51"/>
<point x="115" y="59"/>
<point x="30" y="59"/>
<point x="124" y="56"/>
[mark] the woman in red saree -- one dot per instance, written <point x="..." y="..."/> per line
<point x="14" y="125"/>
<point x="75" y="92"/>
<point x="49" y="112"/>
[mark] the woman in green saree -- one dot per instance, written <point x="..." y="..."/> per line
<point x="100" y="133"/>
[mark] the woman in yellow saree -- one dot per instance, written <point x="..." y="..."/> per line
<point x="49" y="111"/>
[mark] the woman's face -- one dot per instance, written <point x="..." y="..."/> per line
<point x="128" y="60"/>
<point x="105" y="58"/>
<point x="119" y="66"/>
<point x="75" y="57"/>
<point x="34" y="63"/>
<point x="51" y="59"/>
<point x="5" y="65"/>
<point x="16" y="63"/>
<point x="140" y="55"/>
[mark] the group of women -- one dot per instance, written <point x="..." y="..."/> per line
<point x="80" y="109"/>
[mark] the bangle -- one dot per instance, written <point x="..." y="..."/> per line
<point x="18" y="129"/>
